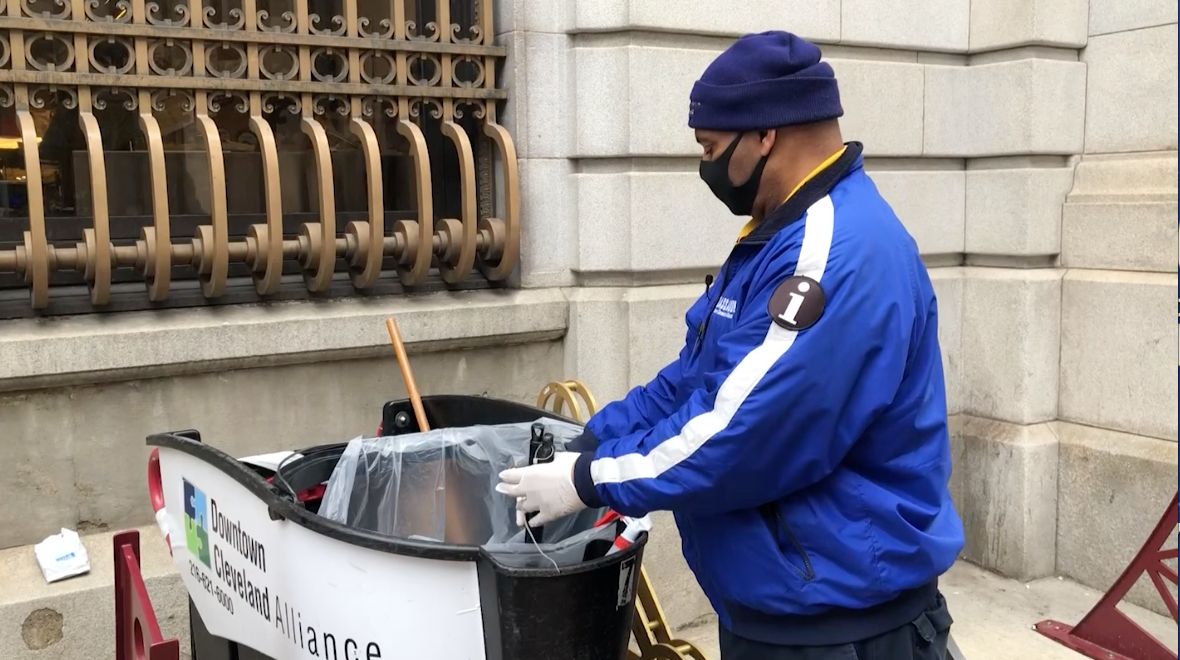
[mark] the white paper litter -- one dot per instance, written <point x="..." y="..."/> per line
<point x="62" y="556"/>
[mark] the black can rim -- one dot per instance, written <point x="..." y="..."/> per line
<point x="282" y="505"/>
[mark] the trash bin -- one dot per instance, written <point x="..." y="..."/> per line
<point x="270" y="578"/>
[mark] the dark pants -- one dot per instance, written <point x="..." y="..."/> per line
<point x="924" y="638"/>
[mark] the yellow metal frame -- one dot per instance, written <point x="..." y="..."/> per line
<point x="573" y="399"/>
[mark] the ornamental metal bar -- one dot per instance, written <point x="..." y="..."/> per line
<point x="396" y="81"/>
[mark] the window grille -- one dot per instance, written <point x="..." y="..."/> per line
<point x="191" y="152"/>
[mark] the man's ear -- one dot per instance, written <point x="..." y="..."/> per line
<point x="767" y="139"/>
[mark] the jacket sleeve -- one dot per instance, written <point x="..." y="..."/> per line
<point x="780" y="413"/>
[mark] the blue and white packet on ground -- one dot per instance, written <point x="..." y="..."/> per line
<point x="62" y="556"/>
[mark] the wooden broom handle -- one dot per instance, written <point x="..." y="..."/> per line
<point x="399" y="350"/>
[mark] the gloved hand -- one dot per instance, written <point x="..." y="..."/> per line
<point x="547" y="488"/>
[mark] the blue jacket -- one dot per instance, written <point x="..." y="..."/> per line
<point x="806" y="458"/>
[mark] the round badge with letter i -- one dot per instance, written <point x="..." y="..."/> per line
<point x="797" y="303"/>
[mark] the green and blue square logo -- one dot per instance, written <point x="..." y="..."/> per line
<point x="196" y="522"/>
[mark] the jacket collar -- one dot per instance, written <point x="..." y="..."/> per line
<point x="811" y="192"/>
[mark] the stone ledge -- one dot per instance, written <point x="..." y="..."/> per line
<point x="85" y="604"/>
<point x="1008" y="23"/>
<point x="549" y="223"/>
<point x="645" y="326"/>
<point x="1125" y="178"/>
<point x="1131" y="70"/>
<point x="554" y="16"/>
<point x="948" y="287"/>
<point x="1113" y="488"/>
<point x="75" y="456"/>
<point x="1006" y="108"/>
<point x="87" y="349"/>
<point x="1131" y="236"/>
<point x="940" y="25"/>
<point x="1003" y="108"/>
<point x="1107" y="16"/>
<point x="1015" y="212"/>
<point x="813" y="20"/>
<point x="930" y="204"/>
<point x="634" y="222"/>
<point x="1118" y="351"/>
<point x="1011" y="334"/>
<point x="1005" y="489"/>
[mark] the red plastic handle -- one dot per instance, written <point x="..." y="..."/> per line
<point x="155" y="481"/>
<point x="156" y="489"/>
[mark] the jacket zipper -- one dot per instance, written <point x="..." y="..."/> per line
<point x="772" y="516"/>
<point x="808" y="570"/>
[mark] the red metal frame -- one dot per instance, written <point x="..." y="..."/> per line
<point x="1106" y="633"/>
<point x="137" y="633"/>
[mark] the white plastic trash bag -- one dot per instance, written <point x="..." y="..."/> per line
<point x="440" y="486"/>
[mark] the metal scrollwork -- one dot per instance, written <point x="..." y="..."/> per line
<point x="237" y="18"/>
<point x="117" y="12"/>
<point x="226" y="60"/>
<point x="371" y="105"/>
<point x="43" y="96"/>
<point x="378" y="67"/>
<point x="204" y="70"/>
<point x="416" y="105"/>
<point x="177" y="14"/>
<point x="45" y="8"/>
<point x="49" y="52"/>
<point x="272" y="102"/>
<point x="112" y="56"/>
<point x="161" y="98"/>
<point x="240" y="103"/>
<point x="287" y="25"/>
<point x="385" y="24"/>
<point x="329" y="56"/>
<point x="467" y="71"/>
<point x="103" y="97"/>
<point x="478" y="109"/>
<point x="272" y="55"/>
<point x="314" y="21"/>
<point x="432" y="30"/>
<point x="170" y="47"/>
<point x="324" y="104"/>
<point x="475" y="34"/>
<point x="417" y="63"/>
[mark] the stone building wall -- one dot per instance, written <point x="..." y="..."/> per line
<point x="1028" y="145"/>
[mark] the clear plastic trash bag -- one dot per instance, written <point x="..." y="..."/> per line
<point x="440" y="486"/>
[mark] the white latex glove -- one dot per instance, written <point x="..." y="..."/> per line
<point x="547" y="488"/>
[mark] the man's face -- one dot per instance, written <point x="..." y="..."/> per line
<point x="745" y="156"/>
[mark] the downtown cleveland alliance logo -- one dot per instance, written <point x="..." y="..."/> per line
<point x="209" y="534"/>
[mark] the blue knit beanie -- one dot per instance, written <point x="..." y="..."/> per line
<point x="764" y="81"/>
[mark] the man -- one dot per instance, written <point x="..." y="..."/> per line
<point x="801" y="437"/>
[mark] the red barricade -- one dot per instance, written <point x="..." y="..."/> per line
<point x="137" y="633"/>
<point x="1107" y="633"/>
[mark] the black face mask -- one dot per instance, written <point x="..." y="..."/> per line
<point x="739" y="198"/>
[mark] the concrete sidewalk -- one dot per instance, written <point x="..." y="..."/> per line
<point x="994" y="616"/>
